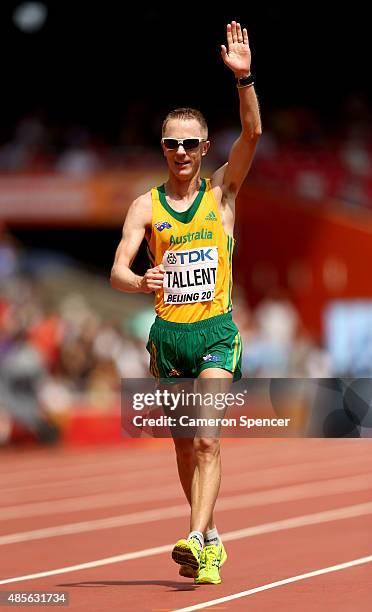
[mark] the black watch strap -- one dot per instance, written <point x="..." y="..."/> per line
<point x="245" y="81"/>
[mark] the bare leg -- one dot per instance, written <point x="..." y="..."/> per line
<point x="205" y="483"/>
<point x="186" y="464"/>
<point x="207" y="473"/>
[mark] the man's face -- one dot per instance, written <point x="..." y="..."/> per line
<point x="184" y="164"/>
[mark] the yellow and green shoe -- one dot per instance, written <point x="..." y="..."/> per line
<point x="211" y="559"/>
<point x="187" y="554"/>
<point x="187" y="571"/>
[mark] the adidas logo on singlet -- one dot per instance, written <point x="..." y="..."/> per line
<point x="211" y="216"/>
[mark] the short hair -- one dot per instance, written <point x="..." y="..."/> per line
<point x="186" y="113"/>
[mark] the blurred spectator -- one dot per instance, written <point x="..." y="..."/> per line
<point x="300" y="151"/>
<point x="80" y="157"/>
<point x="70" y="357"/>
<point x="276" y="323"/>
<point x="8" y="257"/>
<point x="30" y="147"/>
<point x="21" y="372"/>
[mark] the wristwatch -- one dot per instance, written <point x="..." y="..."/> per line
<point x="246" y="81"/>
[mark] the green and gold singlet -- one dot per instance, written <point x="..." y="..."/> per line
<point x="197" y="257"/>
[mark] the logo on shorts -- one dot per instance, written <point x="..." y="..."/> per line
<point x="162" y="225"/>
<point x="174" y="372"/>
<point x="211" y="357"/>
<point x="211" y="216"/>
<point x="171" y="258"/>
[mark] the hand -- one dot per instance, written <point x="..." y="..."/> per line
<point x="237" y="56"/>
<point x="153" y="279"/>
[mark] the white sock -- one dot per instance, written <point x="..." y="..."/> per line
<point x="198" y="535"/>
<point x="212" y="537"/>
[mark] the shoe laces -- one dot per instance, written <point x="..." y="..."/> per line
<point x="196" y="543"/>
<point x="210" y="558"/>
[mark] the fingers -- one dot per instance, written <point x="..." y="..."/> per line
<point x="154" y="278"/>
<point x="153" y="284"/>
<point x="223" y="51"/>
<point x="229" y="35"/>
<point x="158" y="270"/>
<point x="239" y="33"/>
<point x="235" y="34"/>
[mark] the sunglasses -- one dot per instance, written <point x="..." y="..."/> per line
<point x="172" y="144"/>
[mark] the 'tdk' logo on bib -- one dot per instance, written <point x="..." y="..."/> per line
<point x="191" y="257"/>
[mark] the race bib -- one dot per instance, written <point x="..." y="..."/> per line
<point x="190" y="276"/>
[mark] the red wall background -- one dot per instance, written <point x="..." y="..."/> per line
<point x="317" y="253"/>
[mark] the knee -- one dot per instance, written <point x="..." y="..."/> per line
<point x="207" y="447"/>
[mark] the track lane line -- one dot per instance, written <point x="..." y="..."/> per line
<point x="80" y="471"/>
<point x="232" y="502"/>
<point x="104" y="478"/>
<point x="278" y="583"/>
<point x="310" y="489"/>
<point x="289" y="523"/>
<point x="90" y="502"/>
<point x="127" y="460"/>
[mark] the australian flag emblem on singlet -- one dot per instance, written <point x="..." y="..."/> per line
<point x="162" y="225"/>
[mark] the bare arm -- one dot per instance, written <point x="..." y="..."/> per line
<point x="237" y="57"/>
<point x="138" y="218"/>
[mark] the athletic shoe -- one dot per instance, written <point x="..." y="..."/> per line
<point x="187" y="571"/>
<point x="187" y="553"/>
<point x="212" y="558"/>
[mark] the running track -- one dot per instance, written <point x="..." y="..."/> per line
<point x="296" y="519"/>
